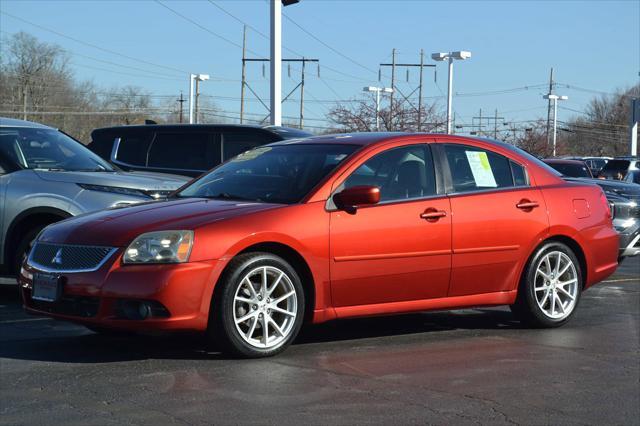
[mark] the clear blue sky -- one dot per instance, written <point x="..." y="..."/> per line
<point x="592" y="45"/>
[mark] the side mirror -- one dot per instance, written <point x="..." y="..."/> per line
<point x="351" y="198"/>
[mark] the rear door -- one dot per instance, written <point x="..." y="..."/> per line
<point x="497" y="218"/>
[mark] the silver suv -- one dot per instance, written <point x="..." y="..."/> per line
<point x="46" y="176"/>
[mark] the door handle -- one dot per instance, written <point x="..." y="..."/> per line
<point x="432" y="215"/>
<point x="527" y="205"/>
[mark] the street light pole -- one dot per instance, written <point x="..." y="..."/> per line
<point x="449" y="95"/>
<point x="555" y="99"/>
<point x="276" y="63"/>
<point x="193" y="102"/>
<point x="377" y="91"/>
<point x="450" y="56"/>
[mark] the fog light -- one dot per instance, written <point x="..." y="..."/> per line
<point x="144" y="310"/>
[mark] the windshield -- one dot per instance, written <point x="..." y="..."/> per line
<point x="274" y="174"/>
<point x="48" y="149"/>
<point x="572" y="170"/>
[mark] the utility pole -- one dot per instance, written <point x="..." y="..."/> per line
<point x="299" y="85"/>
<point x="495" y="120"/>
<point x="181" y="101"/>
<point x="549" y="107"/>
<point x="393" y="86"/>
<point x="244" y="75"/>
<point x="302" y="96"/>
<point x="24" y="102"/>
<point x="420" y="65"/>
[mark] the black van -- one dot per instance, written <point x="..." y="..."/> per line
<point x="183" y="149"/>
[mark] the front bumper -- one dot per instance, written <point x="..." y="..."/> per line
<point x="178" y="295"/>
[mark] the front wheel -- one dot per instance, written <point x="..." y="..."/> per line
<point x="259" y="310"/>
<point x="550" y="288"/>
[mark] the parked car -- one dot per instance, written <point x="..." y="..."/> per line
<point x="633" y="176"/>
<point x="624" y="199"/>
<point x="331" y="227"/>
<point x="572" y="168"/>
<point x="595" y="164"/>
<point x="619" y="167"/>
<point x="185" y="149"/>
<point x="46" y="176"/>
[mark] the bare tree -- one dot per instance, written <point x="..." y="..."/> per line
<point x="360" y="116"/>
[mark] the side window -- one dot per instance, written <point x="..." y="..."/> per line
<point x="519" y="174"/>
<point x="181" y="151"/>
<point x="238" y="141"/>
<point x="400" y="173"/>
<point x="133" y="148"/>
<point x="475" y="168"/>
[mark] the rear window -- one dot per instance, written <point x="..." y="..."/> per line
<point x="572" y="170"/>
<point x="474" y="168"/>
<point x="133" y="148"/>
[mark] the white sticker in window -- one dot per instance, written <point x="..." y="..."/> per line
<point x="481" y="169"/>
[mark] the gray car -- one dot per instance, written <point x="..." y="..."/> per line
<point x="46" y="176"/>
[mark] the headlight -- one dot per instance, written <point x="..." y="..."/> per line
<point x="160" y="247"/>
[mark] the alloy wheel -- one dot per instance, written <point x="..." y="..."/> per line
<point x="556" y="285"/>
<point x="265" y="307"/>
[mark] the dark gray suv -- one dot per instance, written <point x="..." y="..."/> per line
<point x="46" y="176"/>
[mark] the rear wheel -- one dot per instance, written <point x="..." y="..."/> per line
<point x="550" y="288"/>
<point x="259" y="310"/>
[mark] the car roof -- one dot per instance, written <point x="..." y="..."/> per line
<point x="280" y="130"/>
<point x="14" y="122"/>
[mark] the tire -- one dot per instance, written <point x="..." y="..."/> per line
<point x="540" y="286"/>
<point x="235" y="300"/>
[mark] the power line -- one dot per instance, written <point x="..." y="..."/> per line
<point x="94" y="46"/>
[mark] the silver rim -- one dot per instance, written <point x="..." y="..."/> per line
<point x="556" y="285"/>
<point x="265" y="307"/>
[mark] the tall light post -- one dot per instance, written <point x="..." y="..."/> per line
<point x="377" y="91"/>
<point x="555" y="99"/>
<point x="193" y="103"/>
<point x="276" y="60"/>
<point x="450" y="56"/>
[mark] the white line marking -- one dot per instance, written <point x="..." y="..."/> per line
<point x="25" y="320"/>
<point x="621" y="280"/>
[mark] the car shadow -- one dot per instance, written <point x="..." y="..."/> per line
<point x="54" y="341"/>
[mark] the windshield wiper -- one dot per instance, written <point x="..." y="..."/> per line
<point x="227" y="196"/>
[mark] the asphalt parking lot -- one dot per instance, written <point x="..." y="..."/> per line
<point x="463" y="367"/>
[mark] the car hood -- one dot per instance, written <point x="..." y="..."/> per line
<point x="142" y="181"/>
<point x="119" y="226"/>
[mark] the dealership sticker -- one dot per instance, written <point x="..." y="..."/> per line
<point x="481" y="169"/>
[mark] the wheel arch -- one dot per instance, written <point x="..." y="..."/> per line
<point x="569" y="242"/>
<point x="26" y="220"/>
<point x="295" y="259"/>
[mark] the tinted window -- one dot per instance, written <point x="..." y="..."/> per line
<point x="572" y="170"/>
<point x="519" y="174"/>
<point x="276" y="174"/>
<point x="400" y="173"/>
<point x="181" y="151"/>
<point x="133" y="148"/>
<point x="475" y="168"/>
<point x="238" y="141"/>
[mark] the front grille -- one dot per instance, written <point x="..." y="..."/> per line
<point x="68" y="258"/>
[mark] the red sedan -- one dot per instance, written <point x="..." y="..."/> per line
<point x="331" y="227"/>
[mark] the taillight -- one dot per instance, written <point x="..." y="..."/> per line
<point x="605" y="204"/>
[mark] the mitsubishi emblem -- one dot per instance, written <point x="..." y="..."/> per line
<point x="57" y="259"/>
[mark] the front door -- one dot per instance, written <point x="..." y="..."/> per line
<point x="397" y="250"/>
